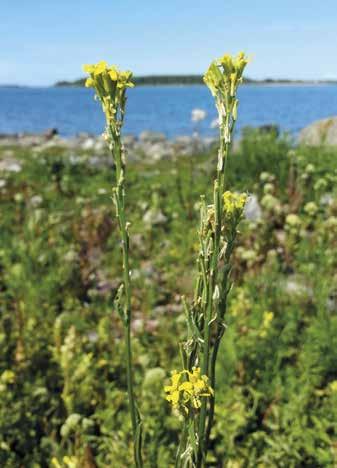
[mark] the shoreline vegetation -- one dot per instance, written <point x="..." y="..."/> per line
<point x="62" y="381"/>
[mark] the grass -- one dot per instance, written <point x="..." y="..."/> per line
<point x="62" y="379"/>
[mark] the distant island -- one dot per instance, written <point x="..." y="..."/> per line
<point x="193" y="79"/>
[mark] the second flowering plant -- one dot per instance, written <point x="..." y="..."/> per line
<point x="218" y="229"/>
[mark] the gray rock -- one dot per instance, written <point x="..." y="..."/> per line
<point x="183" y="140"/>
<point x="158" y="151"/>
<point x="100" y="161"/>
<point x="152" y="137"/>
<point x="295" y="286"/>
<point x="331" y="303"/>
<point x="189" y="145"/>
<point x="320" y="132"/>
<point x="150" y="147"/>
<point x="83" y="136"/>
<point x="209" y="142"/>
<point x="129" y="140"/>
<point x="100" y="146"/>
<point x="88" y="144"/>
<point x="154" y="217"/>
<point x="36" y="200"/>
<point x="168" y="309"/>
<point x="327" y="199"/>
<point x="253" y="211"/>
<point x="10" y="165"/>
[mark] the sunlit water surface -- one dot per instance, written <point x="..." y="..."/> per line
<point x="165" y="109"/>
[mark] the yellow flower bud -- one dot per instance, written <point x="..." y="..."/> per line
<point x="100" y="68"/>
<point x="110" y="85"/>
<point x="88" y="68"/>
<point x="113" y="73"/>
<point x="234" y="203"/>
<point x="89" y="83"/>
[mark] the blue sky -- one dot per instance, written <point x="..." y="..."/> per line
<point x="42" y="41"/>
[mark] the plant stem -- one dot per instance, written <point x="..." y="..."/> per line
<point x="120" y="211"/>
<point x="212" y="309"/>
<point x="220" y="331"/>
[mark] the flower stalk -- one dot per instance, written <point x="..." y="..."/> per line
<point x="217" y="234"/>
<point x="110" y="85"/>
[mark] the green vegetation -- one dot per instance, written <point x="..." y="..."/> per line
<point x="62" y="366"/>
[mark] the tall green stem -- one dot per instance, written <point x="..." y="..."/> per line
<point x="110" y="85"/>
<point x="219" y="332"/>
<point x="120" y="209"/>
<point x="217" y="234"/>
<point x="212" y="306"/>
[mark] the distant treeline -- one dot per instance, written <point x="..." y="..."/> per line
<point x="188" y="80"/>
<point x="152" y="80"/>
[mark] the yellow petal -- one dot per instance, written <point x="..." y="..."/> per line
<point x="100" y="67"/>
<point x="175" y="379"/>
<point x="175" y="397"/>
<point x="55" y="463"/>
<point x="113" y="74"/>
<point x="89" y="83"/>
<point x="88" y="68"/>
<point x="186" y="386"/>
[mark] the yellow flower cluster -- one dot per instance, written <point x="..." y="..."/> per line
<point x="225" y="74"/>
<point x="333" y="386"/>
<point x="110" y="85"/>
<point x="187" y="389"/>
<point x="267" y="319"/>
<point x="234" y="203"/>
<point x="106" y="77"/>
<point x="68" y="462"/>
<point x="7" y="377"/>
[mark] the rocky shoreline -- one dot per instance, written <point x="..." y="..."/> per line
<point x="155" y="146"/>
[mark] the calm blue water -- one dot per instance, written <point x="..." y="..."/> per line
<point x="162" y="108"/>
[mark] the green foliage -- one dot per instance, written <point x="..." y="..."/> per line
<point x="62" y="377"/>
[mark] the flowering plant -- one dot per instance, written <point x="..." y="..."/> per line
<point x="110" y="85"/>
<point x="217" y="234"/>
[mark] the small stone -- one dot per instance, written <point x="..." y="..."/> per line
<point x="154" y="217"/>
<point x="10" y="166"/>
<point x="129" y="140"/>
<point x="326" y="199"/>
<point x="153" y="137"/>
<point x="294" y="286"/>
<point x="253" y="211"/>
<point x="88" y="144"/>
<point x="36" y="200"/>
